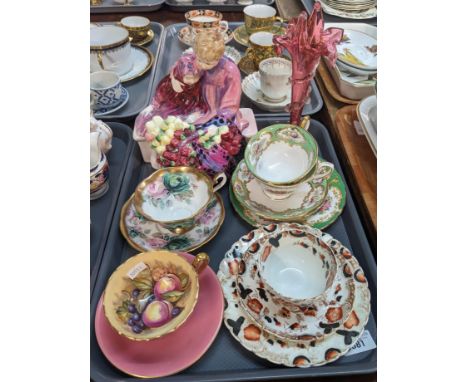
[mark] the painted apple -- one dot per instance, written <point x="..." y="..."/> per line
<point x="156" y="314"/>
<point x="167" y="283"/>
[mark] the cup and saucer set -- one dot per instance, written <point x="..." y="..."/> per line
<point x="116" y="57"/>
<point x="283" y="179"/>
<point x="199" y="20"/>
<point x="175" y="209"/>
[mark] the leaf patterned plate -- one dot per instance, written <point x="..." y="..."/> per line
<point x="293" y="353"/>
<point x="146" y="235"/>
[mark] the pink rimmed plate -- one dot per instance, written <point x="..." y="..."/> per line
<point x="175" y="351"/>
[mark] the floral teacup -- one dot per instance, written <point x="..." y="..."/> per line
<point x="282" y="156"/>
<point x="152" y="294"/>
<point x="176" y="197"/>
<point x="99" y="168"/>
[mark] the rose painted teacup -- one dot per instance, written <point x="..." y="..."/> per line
<point x="99" y="168"/>
<point x="176" y="197"/>
<point x="110" y="49"/>
<point x="152" y="294"/>
<point x="282" y="156"/>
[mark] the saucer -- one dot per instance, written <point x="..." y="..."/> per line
<point x="357" y="15"/>
<point x="146" y="40"/>
<point x="305" y="199"/>
<point x="326" y="215"/>
<point x="142" y="60"/>
<point x="109" y="110"/>
<point x="242" y="37"/>
<point x="251" y="88"/>
<point x="146" y="235"/>
<point x="292" y="353"/>
<point x="166" y="356"/>
<point x="186" y="37"/>
<point x="229" y="52"/>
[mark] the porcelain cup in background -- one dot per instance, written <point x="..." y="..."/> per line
<point x="260" y="17"/>
<point x="176" y="197"/>
<point x="137" y="26"/>
<point x="202" y="19"/>
<point x="281" y="157"/>
<point x="99" y="168"/>
<point x="275" y="78"/>
<point x="110" y="49"/>
<point x="261" y="47"/>
<point x="106" y="90"/>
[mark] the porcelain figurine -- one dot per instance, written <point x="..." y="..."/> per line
<point x="105" y="136"/>
<point x="200" y="97"/>
<point x="99" y="168"/>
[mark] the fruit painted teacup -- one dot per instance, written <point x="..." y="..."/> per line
<point x="282" y="156"/>
<point x="152" y="294"/>
<point x="176" y="197"/>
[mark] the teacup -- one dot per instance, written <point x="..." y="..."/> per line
<point x="282" y="156"/>
<point x="110" y="49"/>
<point x="152" y="294"/>
<point x="260" y="17"/>
<point x="98" y="168"/>
<point x="275" y="78"/>
<point x="261" y="47"/>
<point x="106" y="90"/>
<point x="176" y="197"/>
<point x="202" y="19"/>
<point x="137" y="26"/>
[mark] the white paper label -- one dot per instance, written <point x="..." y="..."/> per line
<point x="365" y="343"/>
<point x="358" y="128"/>
<point x="132" y="273"/>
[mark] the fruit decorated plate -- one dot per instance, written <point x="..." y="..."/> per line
<point x="166" y="355"/>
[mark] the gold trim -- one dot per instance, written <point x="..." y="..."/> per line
<point x="195" y="300"/>
<point x="221" y="320"/>
<point x="135" y="246"/>
<point x="138" y="200"/>
<point x="150" y="63"/>
<point x="113" y="45"/>
<point x="145" y="41"/>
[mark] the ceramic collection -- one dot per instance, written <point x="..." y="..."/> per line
<point x="293" y="295"/>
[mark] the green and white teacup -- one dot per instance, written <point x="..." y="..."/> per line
<point x="282" y="156"/>
<point x="176" y="197"/>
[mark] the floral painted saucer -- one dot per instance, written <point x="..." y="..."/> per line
<point x="309" y="319"/>
<point x="306" y="198"/>
<point x="292" y="353"/>
<point x="109" y="110"/>
<point x="242" y="37"/>
<point x="186" y="36"/>
<point x="144" y="359"/>
<point x="142" y="60"/>
<point x="146" y="235"/>
<point x="328" y="212"/>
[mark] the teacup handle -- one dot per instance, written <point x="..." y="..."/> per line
<point x="323" y="171"/>
<point x="225" y="24"/>
<point x="281" y="20"/>
<point x="219" y="180"/>
<point x="200" y="262"/>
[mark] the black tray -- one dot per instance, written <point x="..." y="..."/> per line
<point x="140" y="89"/>
<point x="309" y="5"/>
<point x="227" y="360"/>
<point x="109" y="6"/>
<point x="172" y="49"/>
<point x="227" y="6"/>
<point x="102" y="209"/>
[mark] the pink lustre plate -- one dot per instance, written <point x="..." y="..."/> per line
<point x="175" y="351"/>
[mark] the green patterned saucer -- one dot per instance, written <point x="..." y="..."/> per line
<point x="330" y="210"/>
<point x="242" y="37"/>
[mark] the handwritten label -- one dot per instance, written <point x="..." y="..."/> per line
<point x="132" y="273"/>
<point x="358" y="128"/>
<point x="365" y="343"/>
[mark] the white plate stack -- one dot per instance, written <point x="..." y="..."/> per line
<point x="354" y="9"/>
